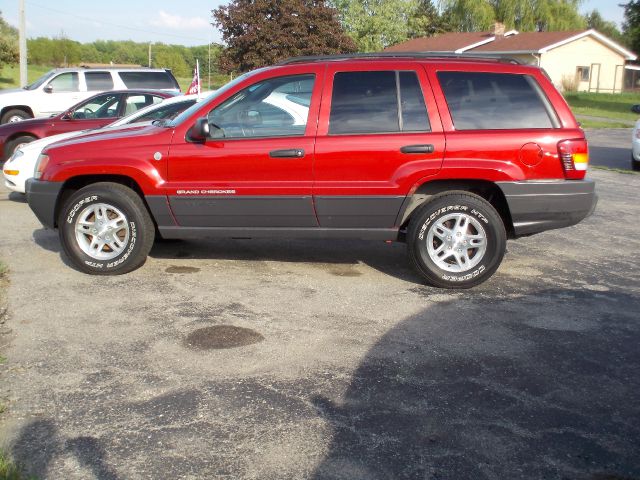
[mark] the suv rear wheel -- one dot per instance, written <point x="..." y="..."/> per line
<point x="105" y="229"/>
<point x="15" y="115"/>
<point x="456" y="240"/>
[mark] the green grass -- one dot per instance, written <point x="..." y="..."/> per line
<point x="4" y="269"/>
<point x="616" y="106"/>
<point x="9" y="470"/>
<point x="10" y="75"/>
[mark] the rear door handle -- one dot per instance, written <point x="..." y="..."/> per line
<point x="418" y="149"/>
<point x="288" y="153"/>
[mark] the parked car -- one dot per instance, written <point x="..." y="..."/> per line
<point x="635" y="142"/>
<point x="450" y="155"/>
<point x="58" y="89"/>
<point x="20" y="166"/>
<point x="95" y="112"/>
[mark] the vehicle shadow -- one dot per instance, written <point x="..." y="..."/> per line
<point x="390" y="259"/>
<point x="48" y="239"/>
<point x="18" y="197"/>
<point x="542" y="385"/>
<point x="39" y="442"/>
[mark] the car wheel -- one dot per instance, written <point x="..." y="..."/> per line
<point x="14" y="115"/>
<point x="635" y="164"/>
<point x="11" y="145"/>
<point x="105" y="229"/>
<point x="456" y="240"/>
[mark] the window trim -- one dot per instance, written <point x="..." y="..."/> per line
<point x="400" y="131"/>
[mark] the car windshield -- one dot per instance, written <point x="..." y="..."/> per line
<point x="189" y="111"/>
<point x="40" y="81"/>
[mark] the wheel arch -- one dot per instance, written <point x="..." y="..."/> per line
<point x="483" y="188"/>
<point x="24" y="108"/>
<point x="74" y="184"/>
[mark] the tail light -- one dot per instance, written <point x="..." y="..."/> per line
<point x="574" y="155"/>
<point x="41" y="164"/>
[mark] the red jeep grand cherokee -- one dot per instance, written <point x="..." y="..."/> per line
<point x="451" y="155"/>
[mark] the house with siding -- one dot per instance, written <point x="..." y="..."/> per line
<point x="585" y="60"/>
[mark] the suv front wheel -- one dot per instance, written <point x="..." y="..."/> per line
<point x="456" y="240"/>
<point x="105" y="229"/>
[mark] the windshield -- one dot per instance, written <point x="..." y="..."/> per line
<point x="40" y="81"/>
<point x="189" y="111"/>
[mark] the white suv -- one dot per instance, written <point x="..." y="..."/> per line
<point x="60" y="88"/>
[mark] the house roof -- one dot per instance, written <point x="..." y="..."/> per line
<point x="445" y="42"/>
<point x="512" y="42"/>
<point x="527" y="41"/>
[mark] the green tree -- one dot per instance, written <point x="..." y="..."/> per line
<point x="594" y="20"/>
<point x="469" y="15"/>
<point x="376" y="24"/>
<point x="8" y="43"/>
<point x="631" y="25"/>
<point x="523" y="15"/>
<point x="425" y="21"/>
<point x="262" y="32"/>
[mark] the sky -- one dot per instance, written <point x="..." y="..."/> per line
<point x="164" y="21"/>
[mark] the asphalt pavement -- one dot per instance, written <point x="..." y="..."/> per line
<point x="276" y="359"/>
<point x="610" y="147"/>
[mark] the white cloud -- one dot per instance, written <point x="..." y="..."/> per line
<point x="176" y="22"/>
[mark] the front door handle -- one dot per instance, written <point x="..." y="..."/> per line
<point x="288" y="153"/>
<point x="418" y="149"/>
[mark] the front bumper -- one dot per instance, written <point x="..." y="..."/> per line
<point x="537" y="206"/>
<point x="42" y="198"/>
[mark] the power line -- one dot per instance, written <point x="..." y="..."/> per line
<point x="115" y="24"/>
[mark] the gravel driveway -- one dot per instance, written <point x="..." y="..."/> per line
<point x="257" y="359"/>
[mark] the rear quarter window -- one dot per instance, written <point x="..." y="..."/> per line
<point x="157" y="80"/>
<point x="495" y="101"/>
<point x="97" y="81"/>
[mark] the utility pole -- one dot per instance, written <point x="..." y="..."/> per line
<point x="209" y="70"/>
<point x="149" y="54"/>
<point x="22" y="44"/>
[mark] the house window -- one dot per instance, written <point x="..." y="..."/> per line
<point x="582" y="73"/>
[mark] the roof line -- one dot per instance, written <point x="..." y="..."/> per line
<point x="629" y="55"/>
<point x="400" y="55"/>
<point x="474" y="45"/>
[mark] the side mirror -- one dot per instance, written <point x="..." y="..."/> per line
<point x="68" y="115"/>
<point x="635" y="108"/>
<point x="200" y="131"/>
<point x="48" y="89"/>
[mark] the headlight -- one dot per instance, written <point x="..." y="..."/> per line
<point x="17" y="153"/>
<point x="41" y="164"/>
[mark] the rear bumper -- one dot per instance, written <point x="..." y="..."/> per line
<point x="537" y="206"/>
<point x="42" y="198"/>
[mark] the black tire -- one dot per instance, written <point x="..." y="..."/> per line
<point x="11" y="145"/>
<point x="136" y="233"/>
<point x="635" y="164"/>
<point x="478" y="213"/>
<point x="15" y="113"/>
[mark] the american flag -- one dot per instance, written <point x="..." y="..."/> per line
<point x="195" y="83"/>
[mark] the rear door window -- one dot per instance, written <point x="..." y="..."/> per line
<point x="97" y="81"/>
<point x="159" y="80"/>
<point x="135" y="102"/>
<point x="377" y="102"/>
<point x="495" y="101"/>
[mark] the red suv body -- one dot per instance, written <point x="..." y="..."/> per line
<point x="451" y="155"/>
